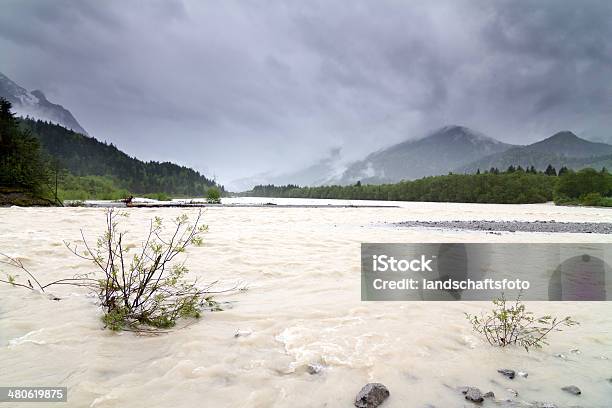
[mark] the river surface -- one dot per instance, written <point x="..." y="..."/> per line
<point x="302" y="306"/>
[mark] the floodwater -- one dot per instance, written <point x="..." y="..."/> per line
<point x="302" y="306"/>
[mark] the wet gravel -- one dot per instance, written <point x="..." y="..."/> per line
<point x="516" y="226"/>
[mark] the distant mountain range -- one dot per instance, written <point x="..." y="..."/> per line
<point x="455" y="149"/>
<point x="35" y="104"/>
<point x="561" y="149"/>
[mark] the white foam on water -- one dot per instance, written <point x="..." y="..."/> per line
<point x="26" y="338"/>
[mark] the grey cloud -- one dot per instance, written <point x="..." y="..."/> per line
<point x="553" y="29"/>
<point x="242" y="87"/>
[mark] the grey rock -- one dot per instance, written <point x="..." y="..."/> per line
<point x="242" y="333"/>
<point x="371" y="395"/>
<point x="572" y="389"/>
<point x="314" y="368"/>
<point x="489" y="394"/>
<point x="523" y="374"/>
<point x="473" y="394"/>
<point x="506" y="372"/>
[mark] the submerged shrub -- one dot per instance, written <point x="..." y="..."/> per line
<point x="509" y="324"/>
<point x="149" y="288"/>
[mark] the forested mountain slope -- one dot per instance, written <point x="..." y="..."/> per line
<point x="86" y="156"/>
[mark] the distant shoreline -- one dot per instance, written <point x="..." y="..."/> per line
<point x="110" y="204"/>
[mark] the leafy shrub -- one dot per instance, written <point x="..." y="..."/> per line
<point x="513" y="324"/>
<point x="148" y="289"/>
<point x="592" y="199"/>
<point x="213" y="196"/>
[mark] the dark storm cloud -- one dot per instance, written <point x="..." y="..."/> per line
<point x="237" y="88"/>
<point x="569" y="41"/>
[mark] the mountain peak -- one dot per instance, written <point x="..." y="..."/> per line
<point x="564" y="135"/>
<point x="566" y="138"/>
<point x="35" y="104"/>
<point x="455" y="128"/>
<point x="458" y="133"/>
<point x="566" y="143"/>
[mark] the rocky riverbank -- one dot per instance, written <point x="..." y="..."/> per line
<point x="516" y="226"/>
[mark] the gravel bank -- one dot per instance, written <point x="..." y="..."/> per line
<point x="514" y="226"/>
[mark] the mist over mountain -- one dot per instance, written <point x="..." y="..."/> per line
<point x="322" y="172"/>
<point x="438" y="153"/>
<point x="36" y="105"/>
<point x="561" y="149"/>
<point x="456" y="149"/>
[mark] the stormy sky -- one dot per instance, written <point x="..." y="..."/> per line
<point x="239" y="88"/>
